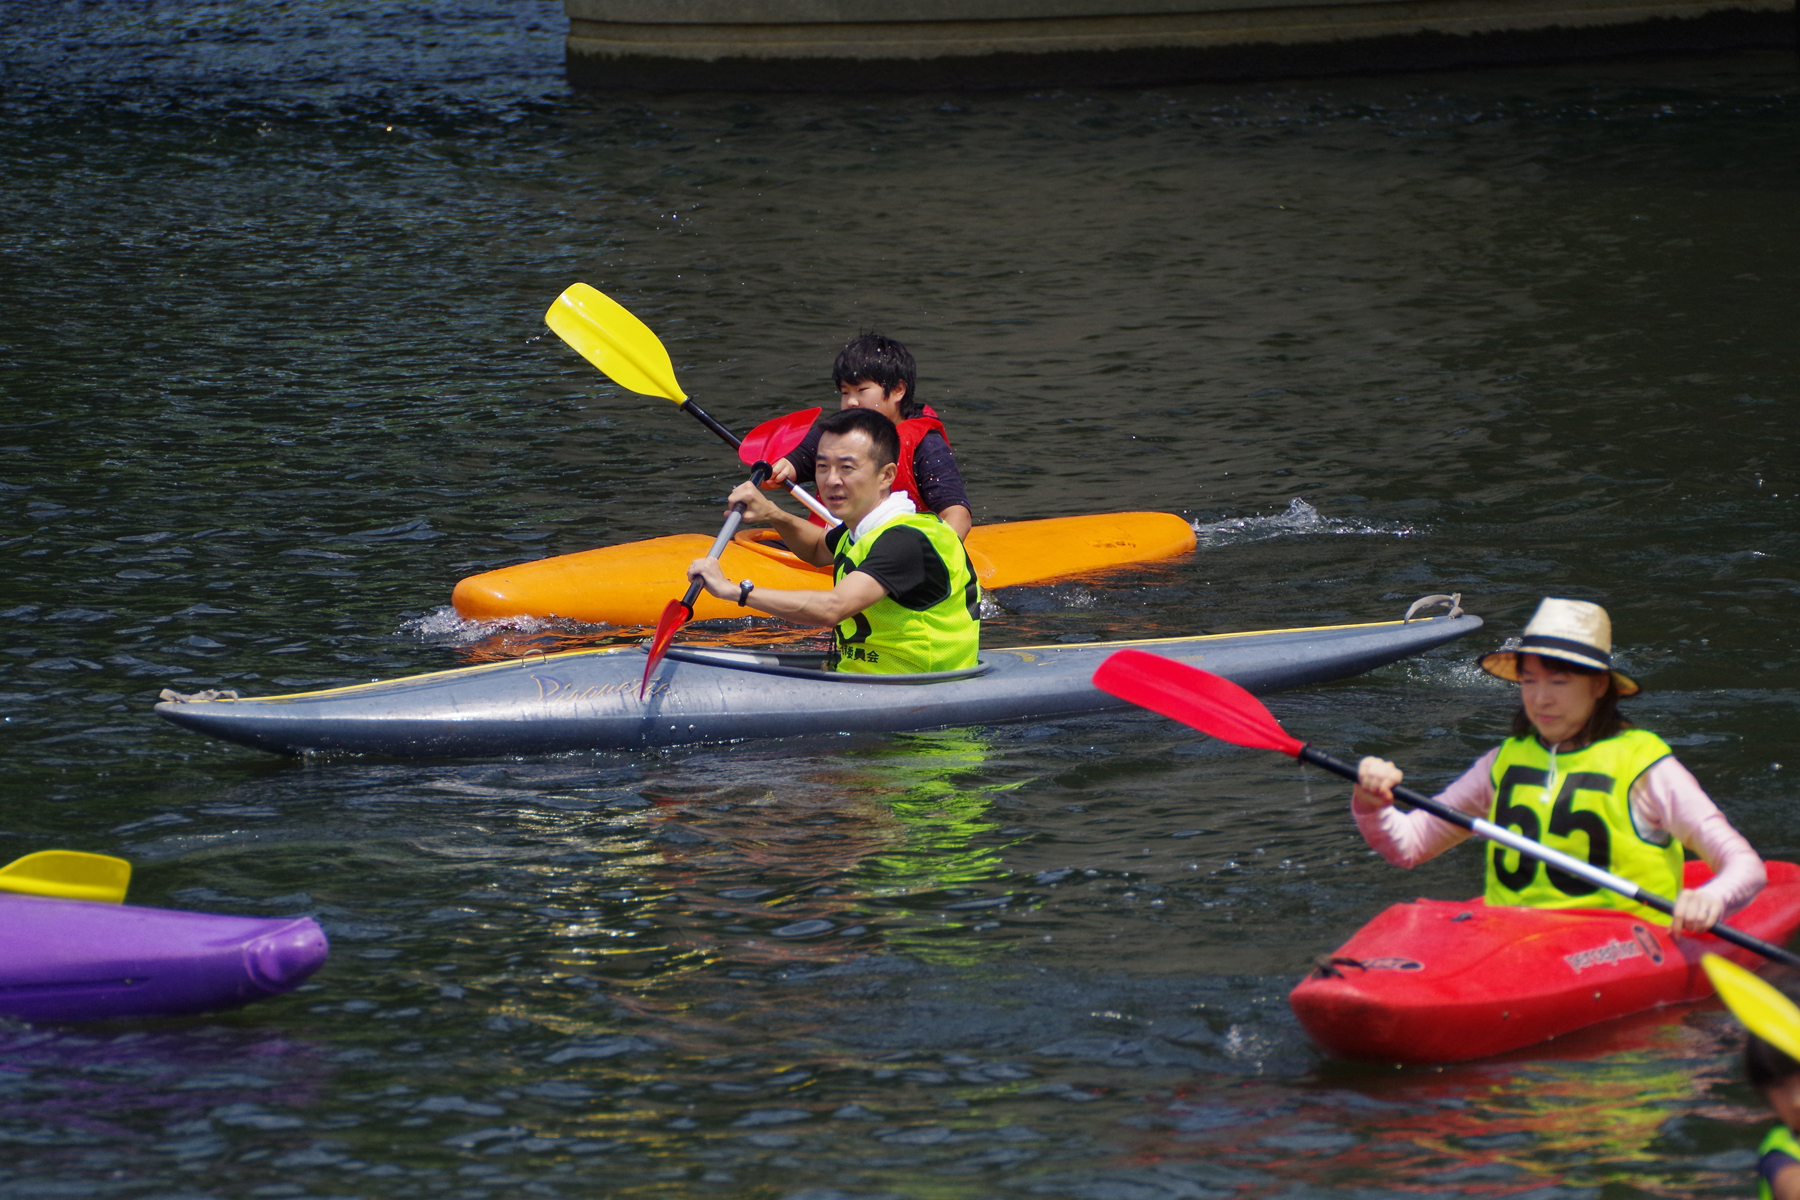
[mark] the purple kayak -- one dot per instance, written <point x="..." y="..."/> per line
<point x="79" y="960"/>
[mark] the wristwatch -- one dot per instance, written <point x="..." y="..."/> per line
<point x="744" y="590"/>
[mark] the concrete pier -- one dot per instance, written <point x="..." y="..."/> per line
<point x="865" y="45"/>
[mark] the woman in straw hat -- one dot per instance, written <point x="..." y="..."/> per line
<point x="1577" y="776"/>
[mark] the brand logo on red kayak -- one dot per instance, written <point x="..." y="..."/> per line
<point x="1605" y="955"/>
<point x="1392" y="964"/>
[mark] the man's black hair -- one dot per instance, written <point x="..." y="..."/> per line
<point x="884" y="438"/>
<point x="875" y="358"/>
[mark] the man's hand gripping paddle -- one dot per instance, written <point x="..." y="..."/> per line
<point x="605" y="333"/>
<point x="771" y="439"/>
<point x="1763" y="1010"/>
<point x="68" y="875"/>
<point x="1221" y="708"/>
<point x="679" y="612"/>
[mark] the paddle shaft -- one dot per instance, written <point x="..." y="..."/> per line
<point x="1545" y="854"/>
<point x="734" y="441"/>
<point x="718" y="547"/>
<point x="758" y="473"/>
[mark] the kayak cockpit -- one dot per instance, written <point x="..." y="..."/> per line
<point x="809" y="664"/>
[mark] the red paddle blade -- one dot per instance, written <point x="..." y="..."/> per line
<point x="772" y="439"/>
<point x="674" y="616"/>
<point x="1194" y="697"/>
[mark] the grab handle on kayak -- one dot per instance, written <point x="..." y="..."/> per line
<point x="1453" y="602"/>
<point x="1553" y="857"/>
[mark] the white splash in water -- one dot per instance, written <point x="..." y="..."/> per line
<point x="1300" y="518"/>
<point x="444" y="627"/>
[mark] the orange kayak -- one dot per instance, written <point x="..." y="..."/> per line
<point x="630" y="584"/>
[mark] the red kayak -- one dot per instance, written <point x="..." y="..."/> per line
<point x="1439" y="981"/>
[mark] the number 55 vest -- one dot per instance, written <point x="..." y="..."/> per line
<point x="1579" y="802"/>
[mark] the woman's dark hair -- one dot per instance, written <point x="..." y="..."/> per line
<point x="1765" y="1065"/>
<point x="1605" y="721"/>
<point x="875" y="358"/>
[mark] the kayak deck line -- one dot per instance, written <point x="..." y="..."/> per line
<point x="589" y="699"/>
<point x="540" y="658"/>
<point x="773" y="664"/>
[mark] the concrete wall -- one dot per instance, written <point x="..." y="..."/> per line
<point x="830" y="45"/>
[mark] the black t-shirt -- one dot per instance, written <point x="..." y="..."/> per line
<point x="1774" y="1163"/>
<point x="933" y="464"/>
<point x="904" y="562"/>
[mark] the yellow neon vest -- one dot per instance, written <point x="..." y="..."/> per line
<point x="1585" y="812"/>
<point x="890" y="639"/>
<point x="1780" y="1138"/>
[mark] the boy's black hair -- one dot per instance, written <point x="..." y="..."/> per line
<point x="1605" y="721"/>
<point x="1765" y="1065"/>
<point x="875" y="358"/>
<point x="884" y="438"/>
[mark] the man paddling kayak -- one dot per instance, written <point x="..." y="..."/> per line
<point x="878" y="373"/>
<point x="906" y="599"/>
<point x="1579" y="777"/>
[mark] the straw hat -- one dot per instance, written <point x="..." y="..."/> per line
<point x="1574" y="631"/>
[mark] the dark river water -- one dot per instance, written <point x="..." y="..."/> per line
<point x="273" y="377"/>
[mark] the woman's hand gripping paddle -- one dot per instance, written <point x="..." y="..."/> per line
<point x="68" y="875"/>
<point x="606" y="333"/>
<point x="1762" y="1009"/>
<point x="1221" y="708"/>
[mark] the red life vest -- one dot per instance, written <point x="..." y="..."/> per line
<point x="912" y="432"/>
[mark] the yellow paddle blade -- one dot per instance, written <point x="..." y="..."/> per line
<point x="1764" y="1011"/>
<point x="68" y="875"/>
<point x="602" y="331"/>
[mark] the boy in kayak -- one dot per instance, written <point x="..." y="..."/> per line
<point x="906" y="599"/>
<point x="1577" y="776"/>
<point x="878" y="373"/>
<point x="1777" y="1077"/>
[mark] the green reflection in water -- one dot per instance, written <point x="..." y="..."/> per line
<point x="933" y="784"/>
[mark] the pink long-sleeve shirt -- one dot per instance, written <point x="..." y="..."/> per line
<point x="1665" y="797"/>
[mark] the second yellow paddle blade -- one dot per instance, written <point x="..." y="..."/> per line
<point x="1764" y="1011"/>
<point x="68" y="875"/>
<point x="605" y="333"/>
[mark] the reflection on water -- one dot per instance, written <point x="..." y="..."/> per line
<point x="276" y="379"/>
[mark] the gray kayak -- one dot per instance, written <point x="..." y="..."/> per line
<point x="588" y="699"/>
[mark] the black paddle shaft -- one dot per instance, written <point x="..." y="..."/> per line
<point x="734" y="441"/>
<point x="1444" y="812"/>
<point x="705" y="418"/>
